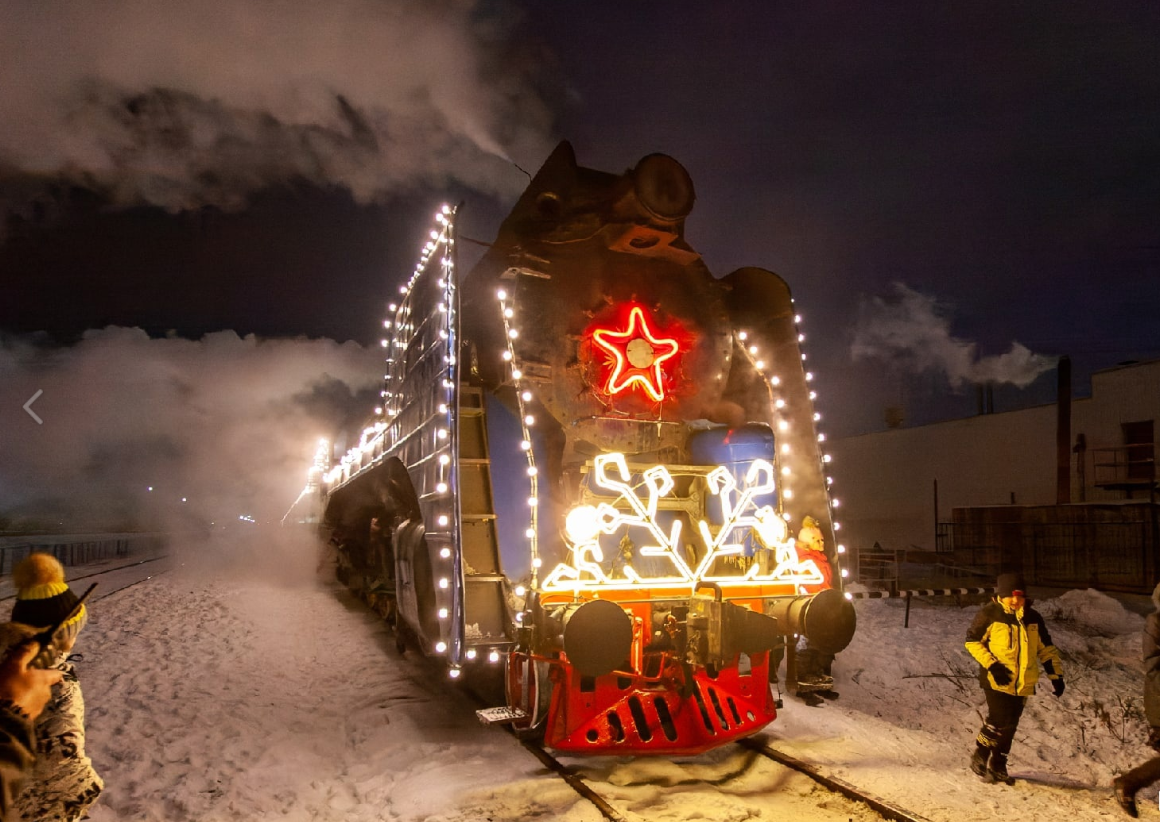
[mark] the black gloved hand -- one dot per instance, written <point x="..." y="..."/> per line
<point x="1001" y="674"/>
<point x="1058" y="686"/>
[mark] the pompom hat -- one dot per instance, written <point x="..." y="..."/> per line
<point x="43" y="597"/>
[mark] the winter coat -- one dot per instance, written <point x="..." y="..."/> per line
<point x="62" y="784"/>
<point x="1152" y="663"/>
<point x="17" y="746"/>
<point x="1017" y="639"/>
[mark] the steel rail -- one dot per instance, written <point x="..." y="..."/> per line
<point x="130" y="585"/>
<point x="106" y="571"/>
<point x="886" y="809"/>
<point x="575" y="782"/>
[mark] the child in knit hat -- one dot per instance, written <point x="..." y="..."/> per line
<point x="1009" y="639"/>
<point x="63" y="783"/>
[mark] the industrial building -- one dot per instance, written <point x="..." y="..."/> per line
<point x="1067" y="492"/>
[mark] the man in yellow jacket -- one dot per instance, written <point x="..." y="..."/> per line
<point x="1009" y="639"/>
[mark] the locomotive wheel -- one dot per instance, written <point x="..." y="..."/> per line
<point x="528" y="687"/>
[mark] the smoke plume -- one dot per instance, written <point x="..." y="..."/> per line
<point x="225" y="423"/>
<point x="182" y="105"/>
<point x="911" y="331"/>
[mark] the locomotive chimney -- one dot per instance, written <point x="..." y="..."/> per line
<point x="1063" y="432"/>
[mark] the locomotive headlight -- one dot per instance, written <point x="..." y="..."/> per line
<point x="582" y="524"/>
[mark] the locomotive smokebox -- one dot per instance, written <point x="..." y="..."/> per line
<point x="598" y="637"/>
<point x="827" y="619"/>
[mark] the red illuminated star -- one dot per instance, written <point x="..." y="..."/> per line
<point x="637" y="355"/>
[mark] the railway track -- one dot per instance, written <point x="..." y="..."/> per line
<point x="109" y="590"/>
<point x="586" y="789"/>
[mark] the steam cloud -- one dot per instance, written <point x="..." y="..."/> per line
<point x="909" y="331"/>
<point x="182" y="105"/>
<point x="228" y="423"/>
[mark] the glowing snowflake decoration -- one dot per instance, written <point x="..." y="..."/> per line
<point x="740" y="515"/>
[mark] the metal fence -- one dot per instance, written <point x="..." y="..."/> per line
<point x="1119" y="556"/>
<point x="77" y="549"/>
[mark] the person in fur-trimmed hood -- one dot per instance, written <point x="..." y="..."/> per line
<point x="63" y="783"/>
<point x="1125" y="787"/>
<point x="1009" y="639"/>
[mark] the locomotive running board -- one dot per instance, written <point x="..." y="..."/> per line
<point x="500" y="715"/>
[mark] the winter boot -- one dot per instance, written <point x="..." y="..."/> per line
<point x="810" y="698"/>
<point x="979" y="761"/>
<point x="1125" y="796"/>
<point x="997" y="768"/>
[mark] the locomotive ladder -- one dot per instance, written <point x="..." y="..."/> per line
<point x="485" y="606"/>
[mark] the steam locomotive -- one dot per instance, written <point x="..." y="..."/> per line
<point x="587" y="470"/>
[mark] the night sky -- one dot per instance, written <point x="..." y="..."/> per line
<point x="938" y="182"/>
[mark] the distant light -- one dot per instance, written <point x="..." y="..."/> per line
<point x="150" y="488"/>
<point x="183" y="499"/>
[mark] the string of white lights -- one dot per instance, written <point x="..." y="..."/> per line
<point x="527" y="420"/>
<point x="783" y="425"/>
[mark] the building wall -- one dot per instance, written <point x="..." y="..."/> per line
<point x="886" y="481"/>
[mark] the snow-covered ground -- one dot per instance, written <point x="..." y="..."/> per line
<point x="242" y="685"/>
